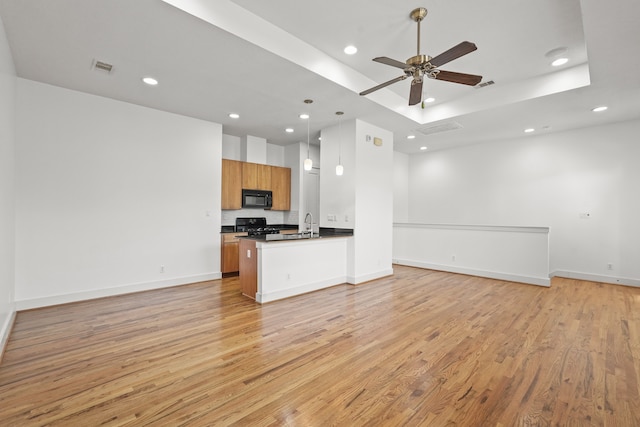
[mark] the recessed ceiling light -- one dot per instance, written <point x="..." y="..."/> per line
<point x="234" y="115"/>
<point x="304" y="116"/>
<point x="529" y="130"/>
<point x="599" y="109"/>
<point x="150" y="81"/>
<point x="289" y="130"/>
<point x="560" y="61"/>
<point x="350" y="50"/>
<point x="411" y="136"/>
<point x="423" y="148"/>
<point x="429" y="99"/>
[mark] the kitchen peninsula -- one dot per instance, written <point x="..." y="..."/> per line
<point x="278" y="266"/>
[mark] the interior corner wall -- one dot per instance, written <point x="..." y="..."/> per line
<point x="7" y="187"/>
<point x="582" y="183"/>
<point x="111" y="197"/>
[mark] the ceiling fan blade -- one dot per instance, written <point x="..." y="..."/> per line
<point x="453" y="53"/>
<point x="380" y="86"/>
<point x="389" y="61"/>
<point x="416" y="92"/>
<point x="465" y="79"/>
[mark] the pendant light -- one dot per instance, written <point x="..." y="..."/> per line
<point x="308" y="163"/>
<point x="339" y="168"/>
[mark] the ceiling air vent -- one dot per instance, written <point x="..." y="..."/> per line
<point x="102" y="66"/>
<point x="443" y="127"/>
<point x="484" y="84"/>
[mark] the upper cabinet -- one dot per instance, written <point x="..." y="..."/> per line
<point x="281" y="188"/>
<point x="237" y="175"/>
<point x="256" y="176"/>
<point x="231" y="184"/>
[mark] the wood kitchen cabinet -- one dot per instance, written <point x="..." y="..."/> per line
<point x="281" y="188"/>
<point x="237" y="175"/>
<point x="248" y="268"/>
<point x="229" y="254"/>
<point x="231" y="184"/>
<point x="256" y="176"/>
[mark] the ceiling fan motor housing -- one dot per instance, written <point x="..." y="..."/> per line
<point x="418" y="60"/>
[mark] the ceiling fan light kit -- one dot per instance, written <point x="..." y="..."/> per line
<point x="420" y="65"/>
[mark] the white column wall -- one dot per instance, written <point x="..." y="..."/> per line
<point x="374" y="204"/>
<point x="111" y="197"/>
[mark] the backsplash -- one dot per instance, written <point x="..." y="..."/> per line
<point x="273" y="217"/>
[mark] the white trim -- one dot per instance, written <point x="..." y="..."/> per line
<point x="597" y="278"/>
<point x="369" y="277"/>
<point x="7" y="327"/>
<point x="108" y="292"/>
<point x="506" y="228"/>
<point x="530" y="280"/>
<point x="297" y="290"/>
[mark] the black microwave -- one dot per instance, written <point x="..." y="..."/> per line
<point x="257" y="199"/>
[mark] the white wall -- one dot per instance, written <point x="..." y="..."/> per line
<point x="374" y="204"/>
<point x="7" y="194"/>
<point x="338" y="193"/>
<point x="550" y="181"/>
<point x="400" y="187"/>
<point x="107" y="193"/>
<point x="231" y="147"/>
<point x="362" y="198"/>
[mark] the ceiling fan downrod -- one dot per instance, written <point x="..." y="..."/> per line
<point x="418" y="15"/>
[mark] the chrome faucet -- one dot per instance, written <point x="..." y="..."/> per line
<point x="310" y="227"/>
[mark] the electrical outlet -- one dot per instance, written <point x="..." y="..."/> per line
<point x="162" y="269"/>
<point x="609" y="266"/>
<point x="453" y="258"/>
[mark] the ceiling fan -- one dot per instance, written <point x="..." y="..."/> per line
<point x="420" y="66"/>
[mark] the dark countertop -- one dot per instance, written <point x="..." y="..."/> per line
<point x="325" y="233"/>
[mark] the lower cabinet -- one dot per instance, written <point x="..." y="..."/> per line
<point x="229" y="255"/>
<point x="248" y="268"/>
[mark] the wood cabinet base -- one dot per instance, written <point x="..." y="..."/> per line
<point x="248" y="268"/>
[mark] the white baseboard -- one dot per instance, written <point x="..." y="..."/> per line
<point x="596" y="278"/>
<point x="108" y="292"/>
<point x="530" y="280"/>
<point x="356" y="280"/>
<point x="7" y="326"/>
<point x="298" y="290"/>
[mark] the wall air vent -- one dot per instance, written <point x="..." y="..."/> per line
<point x="443" y="127"/>
<point x="102" y="66"/>
<point x="484" y="84"/>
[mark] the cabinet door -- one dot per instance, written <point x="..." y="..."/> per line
<point x="256" y="176"/>
<point x="229" y="254"/>
<point x="281" y="187"/>
<point x="231" y="184"/>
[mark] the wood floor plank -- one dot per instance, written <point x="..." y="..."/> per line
<point x="418" y="348"/>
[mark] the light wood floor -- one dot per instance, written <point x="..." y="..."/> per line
<point x="419" y="348"/>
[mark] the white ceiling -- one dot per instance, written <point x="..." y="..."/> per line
<point x="261" y="59"/>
